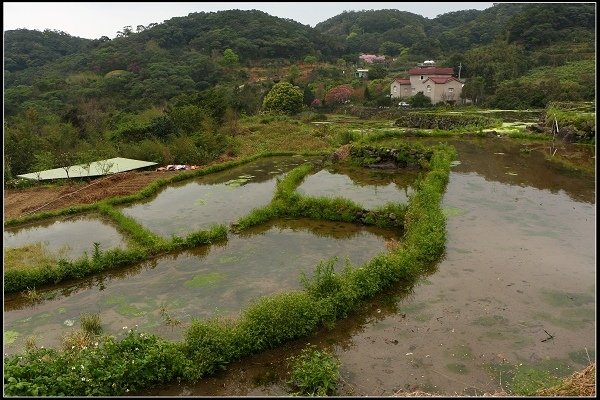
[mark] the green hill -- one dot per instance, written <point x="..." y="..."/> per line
<point x="170" y="89"/>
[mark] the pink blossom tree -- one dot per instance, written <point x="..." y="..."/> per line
<point x="339" y="94"/>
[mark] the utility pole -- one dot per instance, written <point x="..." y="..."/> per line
<point x="459" y="68"/>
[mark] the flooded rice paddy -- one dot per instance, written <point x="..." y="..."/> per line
<point x="368" y="188"/>
<point x="204" y="282"/>
<point x="515" y="288"/>
<point x="220" y="198"/>
<point x="519" y="267"/>
<point x="70" y="237"/>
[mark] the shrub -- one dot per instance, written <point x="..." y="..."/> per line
<point x="210" y="345"/>
<point x="314" y="372"/>
<point x="278" y="319"/>
<point x="338" y="95"/>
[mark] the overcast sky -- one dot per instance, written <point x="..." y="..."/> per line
<point x="92" y="20"/>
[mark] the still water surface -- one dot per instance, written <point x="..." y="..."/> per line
<point x="68" y="236"/>
<point x="368" y="188"/>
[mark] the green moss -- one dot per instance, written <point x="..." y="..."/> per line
<point x="452" y="211"/>
<point x="490" y="320"/>
<point x="423" y="317"/>
<point x="10" y="337"/>
<point x="515" y="340"/>
<point x="572" y="319"/>
<point x="528" y="380"/>
<point x="414" y="307"/>
<point x="501" y="371"/>
<point x="130" y="311"/>
<point x="583" y="356"/>
<point x="118" y="299"/>
<point x="203" y="280"/>
<point x="565" y="299"/>
<point x="462" y="352"/>
<point x="228" y="259"/>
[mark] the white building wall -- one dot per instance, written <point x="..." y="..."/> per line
<point x="397" y="90"/>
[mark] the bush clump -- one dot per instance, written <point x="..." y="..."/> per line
<point x="314" y="372"/>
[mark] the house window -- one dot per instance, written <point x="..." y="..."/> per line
<point x="395" y="89"/>
<point x="421" y="77"/>
<point x="428" y="88"/>
<point x="450" y="90"/>
<point x="413" y="90"/>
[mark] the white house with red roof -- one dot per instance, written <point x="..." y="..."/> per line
<point x="437" y="83"/>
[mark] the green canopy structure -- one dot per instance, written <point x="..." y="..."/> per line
<point x="96" y="168"/>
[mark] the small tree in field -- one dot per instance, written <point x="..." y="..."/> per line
<point x="284" y="97"/>
<point x="105" y="166"/>
<point x="338" y="95"/>
<point x="310" y="59"/>
<point x="85" y="158"/>
<point x="66" y="159"/>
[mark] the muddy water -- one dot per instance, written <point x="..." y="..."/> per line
<point x="366" y="187"/>
<point x="68" y="236"/>
<point x="219" y="198"/>
<point x="519" y="265"/>
<point x="204" y="282"/>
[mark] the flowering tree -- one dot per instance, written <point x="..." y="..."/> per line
<point x="316" y="103"/>
<point x="339" y="94"/>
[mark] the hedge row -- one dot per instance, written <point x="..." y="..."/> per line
<point x="446" y="122"/>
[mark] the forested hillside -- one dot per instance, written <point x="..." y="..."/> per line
<point x="173" y="91"/>
<point x="25" y="48"/>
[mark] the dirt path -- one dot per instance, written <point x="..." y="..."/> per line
<point x="20" y="202"/>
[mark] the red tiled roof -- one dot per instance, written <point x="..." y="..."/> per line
<point x="441" y="79"/>
<point x="402" y="81"/>
<point x="431" y="71"/>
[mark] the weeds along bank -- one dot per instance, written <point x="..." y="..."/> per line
<point x="102" y="365"/>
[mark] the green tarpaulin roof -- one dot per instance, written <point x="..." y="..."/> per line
<point x="96" y="168"/>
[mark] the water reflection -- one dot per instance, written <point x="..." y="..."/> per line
<point x="366" y="187"/>
<point x="525" y="164"/>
